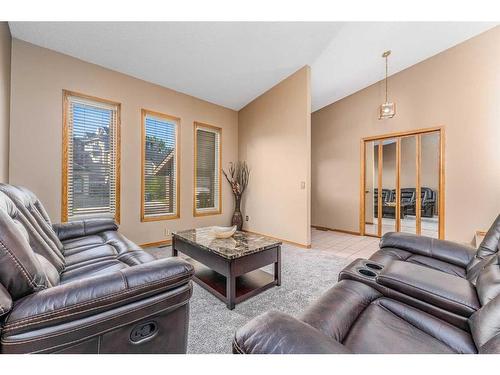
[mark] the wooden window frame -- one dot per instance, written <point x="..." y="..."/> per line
<point x="177" y="120"/>
<point x="65" y="153"/>
<point x="218" y="211"/>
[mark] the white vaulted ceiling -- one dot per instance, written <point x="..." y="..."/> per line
<point x="231" y="63"/>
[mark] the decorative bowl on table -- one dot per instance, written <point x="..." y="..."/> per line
<point x="224" y="232"/>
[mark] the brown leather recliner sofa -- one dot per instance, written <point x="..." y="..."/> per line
<point x="416" y="295"/>
<point x="449" y="257"/>
<point x="82" y="287"/>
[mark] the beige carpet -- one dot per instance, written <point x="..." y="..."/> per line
<point x="306" y="274"/>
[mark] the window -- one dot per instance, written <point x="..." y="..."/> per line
<point x="91" y="144"/>
<point x="207" y="169"/>
<point x="160" y="178"/>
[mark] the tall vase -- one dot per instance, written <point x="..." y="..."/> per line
<point x="237" y="216"/>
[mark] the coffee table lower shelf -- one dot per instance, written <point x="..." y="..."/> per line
<point x="247" y="285"/>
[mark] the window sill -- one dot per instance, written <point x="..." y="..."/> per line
<point x="206" y="213"/>
<point x="159" y="218"/>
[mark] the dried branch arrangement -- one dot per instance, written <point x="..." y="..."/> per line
<point x="237" y="177"/>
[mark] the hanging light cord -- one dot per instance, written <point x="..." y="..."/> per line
<point x="386" y="70"/>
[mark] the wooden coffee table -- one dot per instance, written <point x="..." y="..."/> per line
<point x="230" y="268"/>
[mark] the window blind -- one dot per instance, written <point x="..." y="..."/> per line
<point x="207" y="191"/>
<point x="160" y="167"/>
<point x="91" y="165"/>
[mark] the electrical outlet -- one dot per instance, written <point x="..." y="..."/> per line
<point x="302" y="185"/>
<point x="246" y="218"/>
<point x="168" y="233"/>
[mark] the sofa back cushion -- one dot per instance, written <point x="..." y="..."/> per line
<point x="487" y="250"/>
<point x="48" y="244"/>
<point x="491" y="242"/>
<point x="407" y="195"/>
<point x="488" y="280"/>
<point x="21" y="272"/>
<point x="484" y="325"/>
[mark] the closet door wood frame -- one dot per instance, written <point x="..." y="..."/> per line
<point x="441" y="193"/>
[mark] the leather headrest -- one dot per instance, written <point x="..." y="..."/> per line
<point x="488" y="281"/>
<point x="491" y="241"/>
<point x="20" y="270"/>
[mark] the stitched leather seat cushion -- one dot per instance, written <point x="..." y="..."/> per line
<point x="387" y="326"/>
<point x="364" y="321"/>
<point x="352" y="317"/>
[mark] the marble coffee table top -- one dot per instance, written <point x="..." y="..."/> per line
<point x="240" y="244"/>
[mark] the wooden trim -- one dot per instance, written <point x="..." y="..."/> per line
<point x="219" y="130"/>
<point x="354" y="233"/>
<point x="118" y="185"/>
<point x="402" y="134"/>
<point x="379" y="187"/>
<point x="279" y="239"/>
<point x="397" y="215"/>
<point x="68" y="93"/>
<point x="158" y="243"/>
<point x="418" y="198"/>
<point x="65" y="151"/>
<point x="441" y="193"/>
<point x="177" y="120"/>
<point x="322" y="228"/>
<point x="362" y="189"/>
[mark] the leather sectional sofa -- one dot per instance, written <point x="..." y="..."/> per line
<point x="415" y="295"/>
<point x="82" y="287"/>
<point x="445" y="256"/>
<point x="408" y="202"/>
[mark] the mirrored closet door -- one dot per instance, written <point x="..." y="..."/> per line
<point x="402" y="180"/>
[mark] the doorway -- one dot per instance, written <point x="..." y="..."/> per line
<point x="402" y="183"/>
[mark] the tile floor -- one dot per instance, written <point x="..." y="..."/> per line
<point x="343" y="245"/>
<point x="429" y="226"/>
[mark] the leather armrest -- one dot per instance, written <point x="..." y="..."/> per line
<point x="278" y="333"/>
<point x="451" y="293"/>
<point x="447" y="251"/>
<point x="80" y="228"/>
<point x="87" y="297"/>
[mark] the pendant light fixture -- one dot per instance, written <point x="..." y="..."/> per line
<point x="388" y="109"/>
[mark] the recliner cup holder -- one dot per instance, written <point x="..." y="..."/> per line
<point x="367" y="273"/>
<point x="374" y="266"/>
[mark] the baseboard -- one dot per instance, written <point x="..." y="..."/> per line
<point x="156" y="244"/>
<point x="279" y="239"/>
<point x="319" y="227"/>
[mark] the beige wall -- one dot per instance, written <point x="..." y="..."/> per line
<point x="38" y="78"/>
<point x="5" y="47"/>
<point x="275" y="140"/>
<point x="459" y="89"/>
